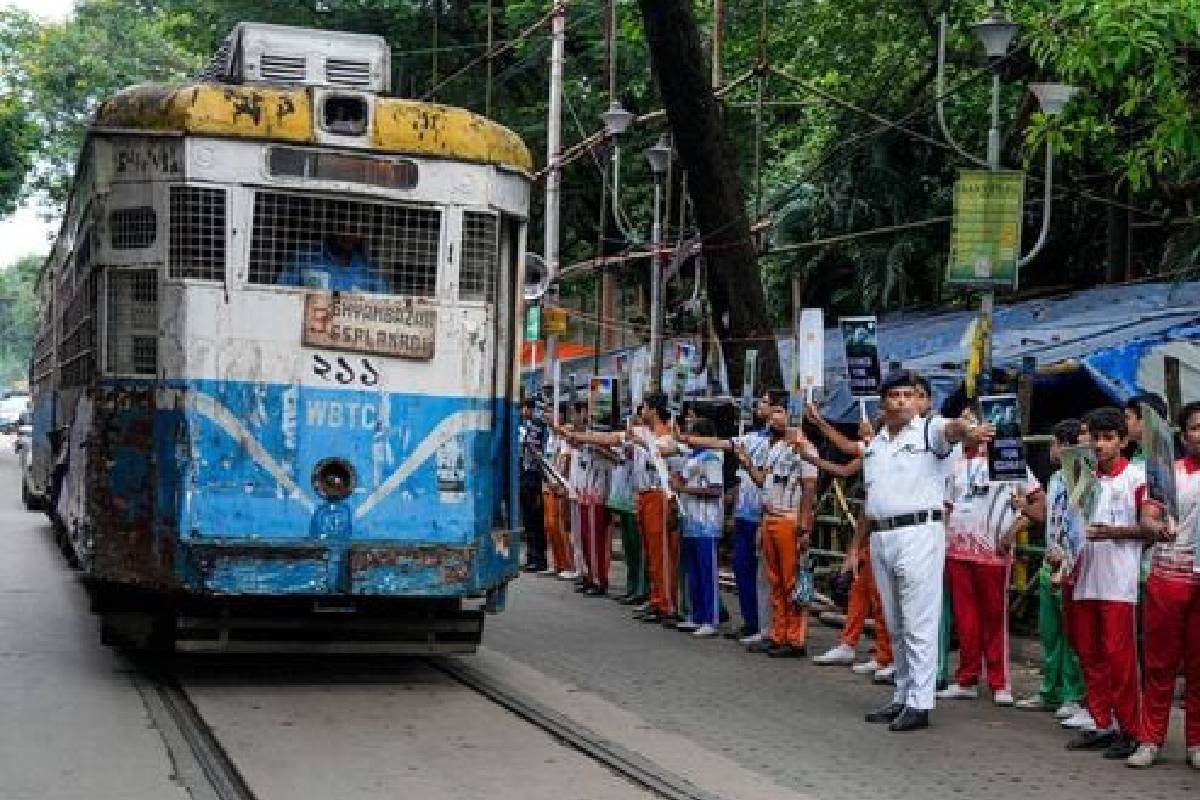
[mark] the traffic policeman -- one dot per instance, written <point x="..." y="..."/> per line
<point x="905" y="477"/>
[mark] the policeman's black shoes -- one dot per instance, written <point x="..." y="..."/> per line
<point x="1092" y="740"/>
<point x="885" y="715"/>
<point x="910" y="719"/>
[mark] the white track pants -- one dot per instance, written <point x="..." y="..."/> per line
<point x="581" y="565"/>
<point x="909" y="565"/>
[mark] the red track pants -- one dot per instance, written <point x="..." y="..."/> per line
<point x="1106" y="641"/>
<point x="597" y="542"/>
<point x="1171" y="633"/>
<point x="865" y="602"/>
<point x="979" y="596"/>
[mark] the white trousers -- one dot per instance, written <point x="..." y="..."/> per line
<point x="909" y="565"/>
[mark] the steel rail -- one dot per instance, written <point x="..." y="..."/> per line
<point x="620" y="760"/>
<point x="201" y="763"/>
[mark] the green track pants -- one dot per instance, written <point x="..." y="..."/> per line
<point x="637" y="577"/>
<point x="945" y="633"/>
<point x="1062" y="677"/>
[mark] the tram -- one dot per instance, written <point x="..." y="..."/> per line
<point x="275" y="372"/>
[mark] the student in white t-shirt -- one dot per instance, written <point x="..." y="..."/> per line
<point x="1105" y="594"/>
<point x="1171" y="615"/>
<point x="984" y="518"/>
<point x="699" y="487"/>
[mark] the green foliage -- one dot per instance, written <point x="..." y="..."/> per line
<point x="17" y="309"/>
<point x="16" y="152"/>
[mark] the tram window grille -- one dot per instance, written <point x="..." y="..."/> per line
<point x="478" y="257"/>
<point x="132" y="228"/>
<point x="132" y="322"/>
<point x="197" y="248"/>
<point x="397" y="244"/>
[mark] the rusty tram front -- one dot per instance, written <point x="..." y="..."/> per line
<point x="275" y="371"/>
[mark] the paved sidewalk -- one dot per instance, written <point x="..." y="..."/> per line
<point x="72" y="725"/>
<point x="801" y="724"/>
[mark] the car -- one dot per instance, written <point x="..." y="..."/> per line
<point x="12" y="407"/>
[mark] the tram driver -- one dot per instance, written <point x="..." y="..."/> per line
<point x="338" y="263"/>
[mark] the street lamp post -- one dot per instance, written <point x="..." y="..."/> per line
<point x="659" y="155"/>
<point x="996" y="33"/>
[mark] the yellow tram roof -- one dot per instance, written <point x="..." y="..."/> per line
<point x="285" y="114"/>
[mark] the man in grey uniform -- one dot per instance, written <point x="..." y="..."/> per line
<point x="905" y="483"/>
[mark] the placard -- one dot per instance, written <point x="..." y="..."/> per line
<point x="749" y="378"/>
<point x="860" y="339"/>
<point x="1083" y="487"/>
<point x="1006" y="452"/>
<point x="386" y="326"/>
<point x="602" y="403"/>
<point x="808" y="357"/>
<point x="1158" y="445"/>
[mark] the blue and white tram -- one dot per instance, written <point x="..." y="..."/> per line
<point x="275" y="374"/>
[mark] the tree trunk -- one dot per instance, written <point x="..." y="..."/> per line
<point x="707" y="152"/>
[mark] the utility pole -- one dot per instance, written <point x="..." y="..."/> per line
<point x="608" y="310"/>
<point x="558" y="36"/>
<point x="718" y="42"/>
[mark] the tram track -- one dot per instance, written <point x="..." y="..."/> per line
<point x="201" y="763"/>
<point x="620" y="760"/>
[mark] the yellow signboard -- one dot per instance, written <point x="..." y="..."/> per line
<point x="985" y="240"/>
<point x="554" y="322"/>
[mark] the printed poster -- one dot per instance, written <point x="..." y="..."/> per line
<point x="1083" y="487"/>
<point x="1006" y="453"/>
<point x="861" y="340"/>
<point x="749" y="379"/>
<point x="602" y="403"/>
<point x="1158" y="444"/>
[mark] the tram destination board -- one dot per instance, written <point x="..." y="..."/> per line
<point x="386" y="326"/>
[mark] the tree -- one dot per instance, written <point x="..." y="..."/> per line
<point x="707" y="153"/>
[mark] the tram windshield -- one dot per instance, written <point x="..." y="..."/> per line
<point x="344" y="245"/>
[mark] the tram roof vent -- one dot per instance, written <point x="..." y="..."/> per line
<point x="259" y="53"/>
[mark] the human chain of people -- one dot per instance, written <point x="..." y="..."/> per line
<point x="931" y="558"/>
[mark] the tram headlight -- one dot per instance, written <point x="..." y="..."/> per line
<point x="334" y="479"/>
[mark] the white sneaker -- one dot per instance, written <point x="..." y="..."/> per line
<point x="1067" y="710"/>
<point x="866" y="668"/>
<point x="705" y="631"/>
<point x="885" y="674"/>
<point x="1193" y="757"/>
<point x="1081" y="721"/>
<point x="753" y="638"/>
<point x="1145" y="756"/>
<point x="1003" y="697"/>
<point x="686" y="625"/>
<point x="641" y="608"/>
<point x="568" y="575"/>
<point x="956" y="692"/>
<point x="839" y="655"/>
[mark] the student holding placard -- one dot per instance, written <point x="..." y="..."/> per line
<point x="1062" y="677"/>
<point x="1105" y="595"/>
<point x="1171" y="616"/>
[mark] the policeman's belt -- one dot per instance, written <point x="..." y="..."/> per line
<point x="907" y="520"/>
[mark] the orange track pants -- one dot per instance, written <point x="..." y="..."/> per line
<point x="556" y="536"/>
<point x="864" y="603"/>
<point x="789" y="625"/>
<point x="662" y="549"/>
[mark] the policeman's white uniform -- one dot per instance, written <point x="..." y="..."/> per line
<point x="905" y="479"/>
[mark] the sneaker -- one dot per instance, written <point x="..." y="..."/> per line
<point x="1067" y="710"/>
<point x="549" y="571"/>
<point x="752" y="639"/>
<point x="956" y="692"/>
<point x="705" y="631"/>
<point x="840" y="655"/>
<point x="869" y="667"/>
<point x="1081" y="721"/>
<point x="1033" y="703"/>
<point x="568" y="575"/>
<point x="1146" y="755"/>
<point x="1002" y="697"/>
<point x="641" y="609"/>
<point x="885" y="675"/>
<point x="1122" y="748"/>
<point x="1193" y="757"/>
<point x="687" y="626"/>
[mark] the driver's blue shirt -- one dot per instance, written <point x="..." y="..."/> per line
<point x="317" y="268"/>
